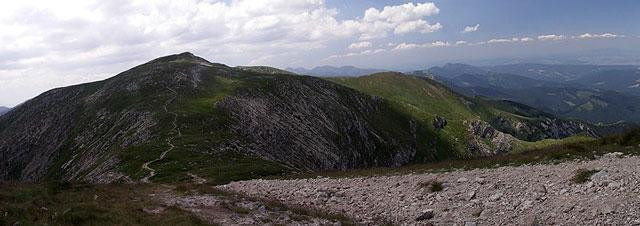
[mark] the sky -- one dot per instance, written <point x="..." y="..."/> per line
<point x="46" y="44"/>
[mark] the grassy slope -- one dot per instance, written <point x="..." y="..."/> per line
<point x="420" y="98"/>
<point x="424" y="99"/>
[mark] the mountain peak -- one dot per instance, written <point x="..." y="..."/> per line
<point x="183" y="57"/>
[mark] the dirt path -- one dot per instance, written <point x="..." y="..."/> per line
<point x="525" y="195"/>
<point x="152" y="172"/>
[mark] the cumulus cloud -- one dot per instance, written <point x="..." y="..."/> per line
<point x="360" y="45"/>
<point x="590" y="36"/>
<point x="551" y="37"/>
<point x="469" y="29"/>
<point x="55" y="43"/>
<point x="398" y="19"/>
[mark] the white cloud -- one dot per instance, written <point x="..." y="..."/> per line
<point x="56" y="43"/>
<point x="417" y="25"/>
<point x="461" y="43"/>
<point x="397" y="19"/>
<point x="591" y="36"/>
<point x="469" y="29"/>
<point x="551" y="37"/>
<point x="360" y="45"/>
<point x="502" y="40"/>
<point x="436" y="44"/>
<point x="406" y="46"/>
<point x="526" y="39"/>
<point x="507" y="40"/>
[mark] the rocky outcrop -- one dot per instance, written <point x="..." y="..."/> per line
<point x="439" y="122"/>
<point x="484" y="140"/>
<point x="543" y="128"/>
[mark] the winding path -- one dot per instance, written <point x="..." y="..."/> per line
<point x="152" y="172"/>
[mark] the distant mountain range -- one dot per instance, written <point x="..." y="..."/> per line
<point x="595" y="93"/>
<point x="557" y="73"/>
<point x="4" y="110"/>
<point x="330" y="71"/>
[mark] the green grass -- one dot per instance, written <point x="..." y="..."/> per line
<point x="421" y="98"/>
<point x="78" y="204"/>
<point x="217" y="169"/>
<point x="525" y="145"/>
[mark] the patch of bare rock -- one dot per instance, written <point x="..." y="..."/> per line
<point x="524" y="195"/>
<point x="233" y="210"/>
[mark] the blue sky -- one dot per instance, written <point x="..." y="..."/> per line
<point x="509" y="17"/>
<point x="46" y="44"/>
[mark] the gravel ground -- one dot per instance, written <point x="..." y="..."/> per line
<point x="525" y="195"/>
<point x="228" y="210"/>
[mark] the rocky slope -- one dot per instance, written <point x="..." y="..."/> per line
<point x="206" y="119"/>
<point x="526" y="195"/>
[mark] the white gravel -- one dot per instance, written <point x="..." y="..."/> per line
<point x="522" y="195"/>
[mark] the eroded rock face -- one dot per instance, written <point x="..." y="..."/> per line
<point x="315" y="124"/>
<point x="487" y="141"/>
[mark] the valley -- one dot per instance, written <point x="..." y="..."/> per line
<point x="596" y="94"/>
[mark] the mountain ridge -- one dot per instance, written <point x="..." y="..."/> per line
<point x="331" y="71"/>
<point x="234" y="124"/>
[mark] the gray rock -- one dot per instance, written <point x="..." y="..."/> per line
<point x="426" y="215"/>
<point x="439" y="122"/>
<point x="495" y="197"/>
<point x="471" y="195"/>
